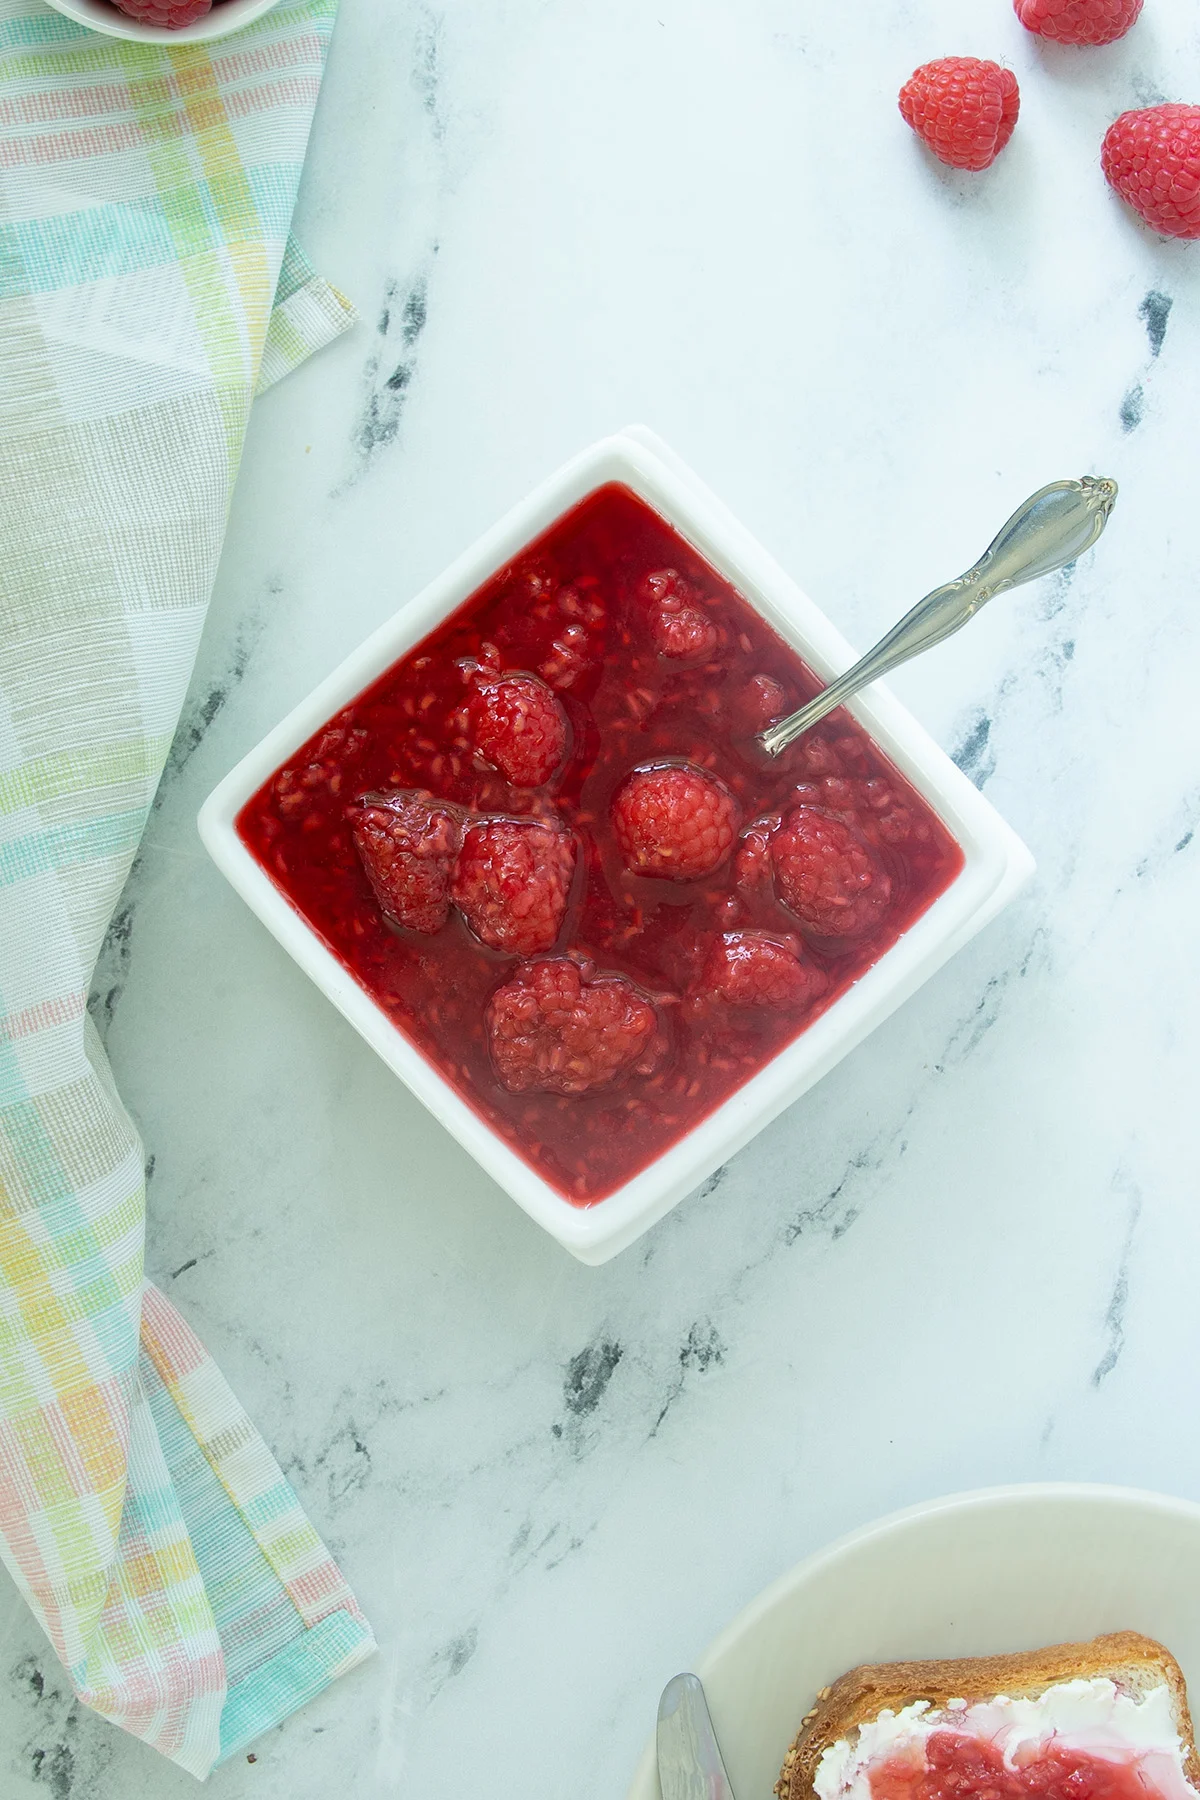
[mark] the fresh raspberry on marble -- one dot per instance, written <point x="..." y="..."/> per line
<point x="555" y="1028"/>
<point x="520" y="727"/>
<point x="1152" y="159"/>
<point x="1078" y="21"/>
<point x="679" y="628"/>
<point x="407" y="843"/>
<point x="173" y="15"/>
<point x="965" y="109"/>
<point x="673" y="821"/>
<point x="749" y="968"/>
<point x="826" y="875"/>
<point x="511" y="883"/>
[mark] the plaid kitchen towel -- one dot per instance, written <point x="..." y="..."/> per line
<point x="147" y="288"/>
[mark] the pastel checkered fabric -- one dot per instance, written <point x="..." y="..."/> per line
<point x="147" y="289"/>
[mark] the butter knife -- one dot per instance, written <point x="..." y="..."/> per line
<point x="689" y="1757"/>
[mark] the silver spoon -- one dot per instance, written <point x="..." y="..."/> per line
<point x="689" y="1757"/>
<point x="1054" y="526"/>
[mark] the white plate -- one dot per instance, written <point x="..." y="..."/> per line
<point x="1003" y="1569"/>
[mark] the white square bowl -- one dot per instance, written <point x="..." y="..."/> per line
<point x="996" y="863"/>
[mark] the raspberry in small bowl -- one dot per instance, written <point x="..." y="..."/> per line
<point x="525" y="839"/>
<point x="164" y="21"/>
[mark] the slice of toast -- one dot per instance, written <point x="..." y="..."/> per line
<point x="1137" y="1664"/>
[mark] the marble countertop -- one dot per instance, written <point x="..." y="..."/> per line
<point x="969" y="1255"/>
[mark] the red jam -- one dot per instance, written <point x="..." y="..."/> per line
<point x="732" y="897"/>
<point x="961" y="1767"/>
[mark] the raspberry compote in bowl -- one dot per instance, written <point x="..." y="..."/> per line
<point x="526" y="841"/>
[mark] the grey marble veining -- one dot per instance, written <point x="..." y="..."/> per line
<point x="968" y="1256"/>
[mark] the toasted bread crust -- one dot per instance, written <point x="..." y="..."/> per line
<point x="860" y="1695"/>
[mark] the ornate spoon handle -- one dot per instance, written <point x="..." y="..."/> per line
<point x="1055" y="525"/>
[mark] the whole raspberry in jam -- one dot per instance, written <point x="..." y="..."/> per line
<point x="520" y="727"/>
<point x="757" y="704"/>
<point x="752" y="869"/>
<point x="570" y="660"/>
<point x="748" y="968"/>
<point x="871" y="805"/>
<point x="554" y="1028"/>
<point x="511" y="883"/>
<point x="1078" y="21"/>
<point x="965" y="109"/>
<point x="408" y="843"/>
<point x="1152" y="159"/>
<point x="679" y="628"/>
<point x="826" y="875"/>
<point x="674" y="821"/>
<point x="172" y="14"/>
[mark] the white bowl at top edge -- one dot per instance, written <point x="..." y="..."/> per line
<point x="975" y="1574"/>
<point x="226" y="17"/>
<point x="995" y="866"/>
